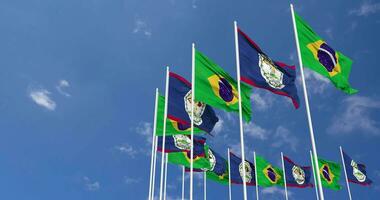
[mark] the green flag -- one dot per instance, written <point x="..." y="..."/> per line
<point x="223" y="179"/>
<point x="267" y="175"/>
<point x="330" y="174"/>
<point x="172" y="127"/>
<point x="217" y="88"/>
<point x="183" y="158"/>
<point x="321" y="58"/>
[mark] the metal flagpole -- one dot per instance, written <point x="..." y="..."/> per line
<point x="164" y="131"/>
<point x="166" y="174"/>
<point x="307" y="102"/>
<point x="204" y="186"/>
<point x="283" y="169"/>
<point x="183" y="182"/>
<point x="345" y="173"/>
<point x="314" y="173"/>
<point x="192" y="118"/>
<point x="153" y="140"/>
<point x="154" y="166"/>
<point x="256" y="179"/>
<point x="229" y="175"/>
<point x="240" y="109"/>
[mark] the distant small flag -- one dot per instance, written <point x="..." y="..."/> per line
<point x="172" y="127"/>
<point x="258" y="70"/>
<point x="356" y="173"/>
<point x="330" y="174"/>
<point x="218" y="170"/>
<point x="268" y="175"/>
<point x="217" y="88"/>
<point x="296" y="175"/>
<point x="181" y="143"/>
<point x="237" y="168"/>
<point x="318" y="56"/>
<point x="179" y="105"/>
<point x="200" y="159"/>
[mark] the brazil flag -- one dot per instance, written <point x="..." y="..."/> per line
<point x="330" y="174"/>
<point x="172" y="127"/>
<point x="200" y="161"/>
<point x="217" y="88"/>
<point x="267" y="175"/>
<point x="322" y="58"/>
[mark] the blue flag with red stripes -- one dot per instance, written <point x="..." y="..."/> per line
<point x="181" y="143"/>
<point x="179" y="105"/>
<point x="237" y="168"/>
<point x="356" y="172"/>
<point x="258" y="70"/>
<point x="297" y="176"/>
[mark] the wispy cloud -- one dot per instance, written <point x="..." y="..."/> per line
<point x="91" y="185"/>
<point x="127" y="149"/>
<point x="142" y="27"/>
<point x="329" y="33"/>
<point x="355" y="114"/>
<point x="262" y="100"/>
<point x="146" y="130"/>
<point x="275" y="191"/>
<point x="62" y="85"/>
<point x="256" y="131"/>
<point x="130" y="180"/>
<point x="42" y="98"/>
<point x="218" y="127"/>
<point x="316" y="83"/>
<point x="366" y="8"/>
<point x="283" y="137"/>
<point x="194" y="4"/>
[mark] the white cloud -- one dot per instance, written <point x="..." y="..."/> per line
<point x="275" y="191"/>
<point x="62" y="84"/>
<point x="218" y="127"/>
<point x="91" y="185"/>
<point x="142" y="27"/>
<point x="129" y="180"/>
<point x="146" y="130"/>
<point x="315" y="82"/>
<point x="127" y="149"/>
<point x="262" y="100"/>
<point x="41" y="97"/>
<point x="283" y="137"/>
<point x="329" y="33"/>
<point x="366" y="8"/>
<point x="194" y="4"/>
<point x="255" y="131"/>
<point x="356" y="115"/>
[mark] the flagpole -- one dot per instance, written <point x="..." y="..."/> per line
<point x="192" y="118"/>
<point x="204" y="186"/>
<point x="164" y="131"/>
<point x="229" y="175"/>
<point x="166" y="174"/>
<point x="240" y="109"/>
<point x="314" y="173"/>
<point x="283" y="169"/>
<point x="315" y="156"/>
<point x="153" y="140"/>
<point x="256" y="179"/>
<point x="154" y="166"/>
<point x="345" y="172"/>
<point x="183" y="182"/>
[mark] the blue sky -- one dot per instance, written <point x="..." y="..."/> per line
<point x="77" y="88"/>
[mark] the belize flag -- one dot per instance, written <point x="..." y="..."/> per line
<point x="258" y="70"/>
<point x="237" y="168"/>
<point x="297" y="176"/>
<point x="179" y="105"/>
<point x="181" y="143"/>
<point x="356" y="173"/>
